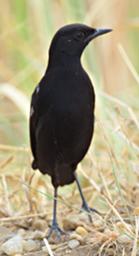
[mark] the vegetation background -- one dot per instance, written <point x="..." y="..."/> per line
<point x="111" y="168"/>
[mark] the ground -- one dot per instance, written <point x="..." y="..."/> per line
<point x="26" y="213"/>
<point x="109" y="176"/>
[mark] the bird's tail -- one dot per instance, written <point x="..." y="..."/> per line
<point x="34" y="165"/>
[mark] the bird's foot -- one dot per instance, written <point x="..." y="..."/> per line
<point x="55" y="231"/>
<point x="89" y="210"/>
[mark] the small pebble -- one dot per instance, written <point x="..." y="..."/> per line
<point x="98" y="223"/>
<point x="76" y="237"/>
<point x="13" y="245"/>
<point x="81" y="231"/>
<point x="21" y="232"/>
<point x="73" y="244"/>
<point x="82" y="240"/>
<point x="83" y="217"/>
<point x="30" y="245"/>
<point x="38" y="234"/>
<point x="70" y="223"/>
<point x="40" y="224"/>
<point x="18" y="254"/>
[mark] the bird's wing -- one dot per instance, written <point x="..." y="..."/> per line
<point x="33" y="119"/>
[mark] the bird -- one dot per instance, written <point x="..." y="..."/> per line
<point x="62" y="112"/>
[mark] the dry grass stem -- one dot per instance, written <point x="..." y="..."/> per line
<point x="128" y="63"/>
<point x="48" y="247"/>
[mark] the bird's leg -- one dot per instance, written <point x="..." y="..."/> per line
<point x="85" y="206"/>
<point x="55" y="227"/>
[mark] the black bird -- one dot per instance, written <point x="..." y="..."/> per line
<point x="62" y="111"/>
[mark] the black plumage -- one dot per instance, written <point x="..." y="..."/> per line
<point x="62" y="110"/>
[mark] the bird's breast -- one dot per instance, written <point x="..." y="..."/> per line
<point x="66" y="120"/>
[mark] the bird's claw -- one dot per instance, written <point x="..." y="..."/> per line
<point x="56" y="231"/>
<point x="89" y="210"/>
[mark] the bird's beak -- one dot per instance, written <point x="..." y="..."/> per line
<point x="97" y="32"/>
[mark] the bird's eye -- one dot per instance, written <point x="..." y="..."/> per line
<point x="80" y="35"/>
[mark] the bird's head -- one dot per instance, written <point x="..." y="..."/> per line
<point x="71" y="40"/>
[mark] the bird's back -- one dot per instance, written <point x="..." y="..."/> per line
<point x="64" y="123"/>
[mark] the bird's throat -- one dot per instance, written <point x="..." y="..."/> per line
<point x="64" y="60"/>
